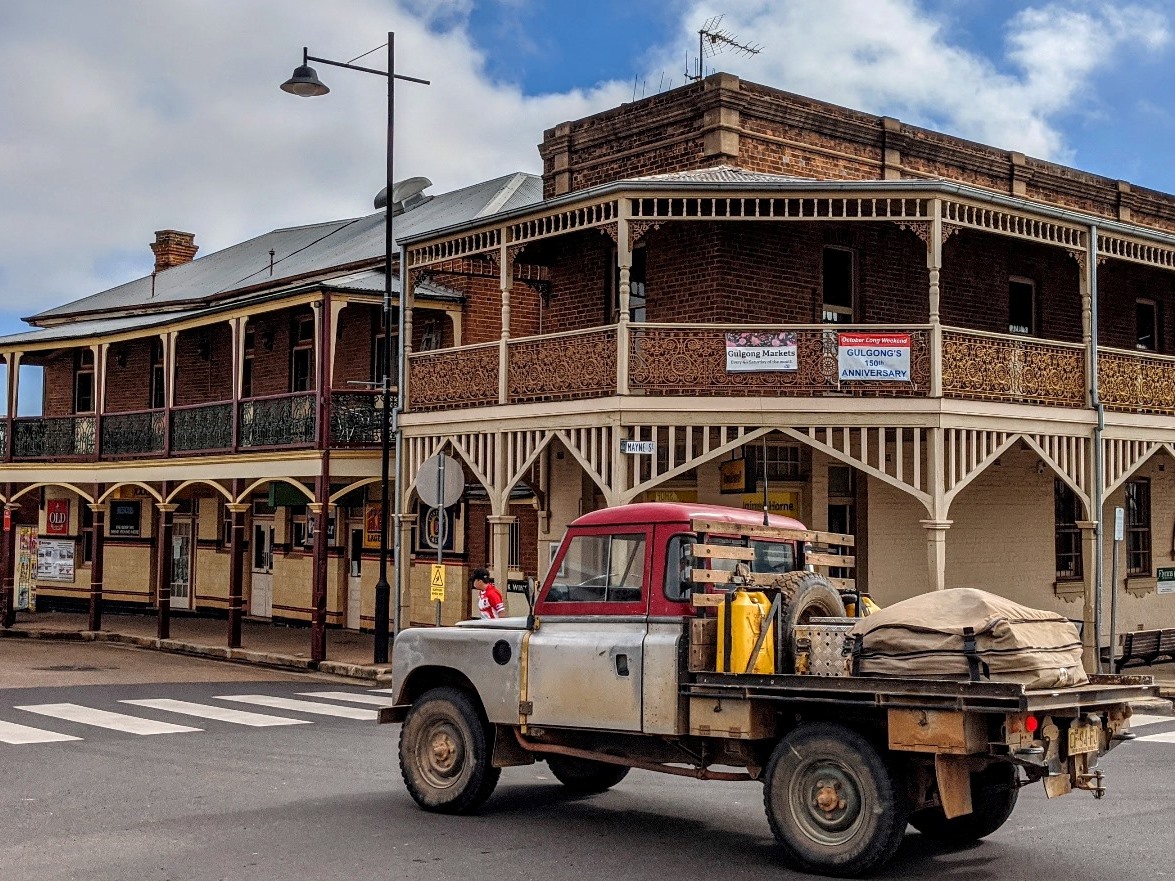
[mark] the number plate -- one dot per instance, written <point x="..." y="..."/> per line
<point x="1084" y="739"/>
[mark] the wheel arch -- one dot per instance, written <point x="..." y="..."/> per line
<point x="428" y="677"/>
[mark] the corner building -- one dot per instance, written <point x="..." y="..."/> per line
<point x="625" y="296"/>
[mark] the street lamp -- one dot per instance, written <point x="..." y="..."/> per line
<point x="305" y="84"/>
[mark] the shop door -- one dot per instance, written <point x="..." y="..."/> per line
<point x="181" y="564"/>
<point x="261" y="585"/>
<point x="354" y="579"/>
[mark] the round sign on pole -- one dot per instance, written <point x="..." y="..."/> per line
<point x="435" y="489"/>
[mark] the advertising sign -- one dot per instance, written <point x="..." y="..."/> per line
<point x="25" y="584"/>
<point x="125" y="518"/>
<point x="733" y="476"/>
<point x="55" y="559"/>
<point x="436" y="525"/>
<point x="873" y="357"/>
<point x="759" y="352"/>
<point x="783" y="502"/>
<point x="372" y="521"/>
<point x="1166" y="583"/>
<point x="57" y="517"/>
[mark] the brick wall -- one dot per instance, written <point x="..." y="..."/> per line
<point x="128" y="386"/>
<point x="58" y="384"/>
<point x="354" y="345"/>
<point x="1119" y="285"/>
<point x="203" y="365"/>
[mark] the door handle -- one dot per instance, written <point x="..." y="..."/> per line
<point x="621" y="665"/>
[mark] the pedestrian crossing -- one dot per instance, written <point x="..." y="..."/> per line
<point x="151" y="716"/>
<point x="1141" y="721"/>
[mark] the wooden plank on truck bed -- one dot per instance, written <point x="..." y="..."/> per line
<point x="707" y="600"/>
<point x="840" y="560"/>
<point x="717" y="527"/>
<point x="724" y="576"/>
<point x="722" y="552"/>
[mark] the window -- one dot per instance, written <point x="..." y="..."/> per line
<point x="601" y="569"/>
<point x="514" y="559"/>
<point x="87" y="526"/>
<point x="83" y="381"/>
<point x="226" y="526"/>
<point x="301" y="536"/>
<point x="247" y="367"/>
<point x="840" y="483"/>
<point x="1147" y="324"/>
<point x="771" y="557"/>
<point x="156" y="392"/>
<point x="1068" y="534"/>
<point x="302" y="357"/>
<point x="1021" y="306"/>
<point x="776" y="462"/>
<point x="430" y="337"/>
<point x="1138" y="527"/>
<point x="377" y="355"/>
<point x="839" y="285"/>
<point x="637" y="277"/>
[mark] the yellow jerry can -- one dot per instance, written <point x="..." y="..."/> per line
<point x="748" y="612"/>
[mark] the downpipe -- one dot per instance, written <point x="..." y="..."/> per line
<point x="572" y="752"/>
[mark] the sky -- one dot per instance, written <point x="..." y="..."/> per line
<point x="122" y="117"/>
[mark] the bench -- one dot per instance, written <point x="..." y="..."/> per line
<point x="1146" y="647"/>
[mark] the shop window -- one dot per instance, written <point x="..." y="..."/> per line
<point x="1021" y="306"/>
<point x="1147" y="325"/>
<point x="158" y="389"/>
<point x="83" y="381"/>
<point x="302" y="357"/>
<point x="839" y="282"/>
<point x="776" y="462"/>
<point x="637" y="281"/>
<point x="1138" y="527"/>
<point x="301" y="536"/>
<point x="1067" y="508"/>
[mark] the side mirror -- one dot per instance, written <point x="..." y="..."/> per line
<point x="530" y="591"/>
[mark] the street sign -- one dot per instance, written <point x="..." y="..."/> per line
<point x="638" y="448"/>
<point x="1119" y="524"/>
<point x="440" y="481"/>
<point x="1166" y="583"/>
<point x="437" y="583"/>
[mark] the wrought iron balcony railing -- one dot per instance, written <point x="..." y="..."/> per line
<point x="202" y="428"/>
<point x="278" y="421"/>
<point x="134" y="434"/>
<point x="57" y="437"/>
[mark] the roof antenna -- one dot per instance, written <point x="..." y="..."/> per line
<point x="713" y="41"/>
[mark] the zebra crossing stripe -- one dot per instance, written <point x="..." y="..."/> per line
<point x="313" y="707"/>
<point x="10" y="732"/>
<point x="1166" y="737"/>
<point x="351" y="696"/>
<point x="219" y="714"/>
<point x="1138" y="720"/>
<point x="106" y="719"/>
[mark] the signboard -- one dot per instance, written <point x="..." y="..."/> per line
<point x="638" y="448"/>
<point x="761" y="352"/>
<point x="1166" y="583"/>
<point x="1119" y="524"/>
<point x="733" y="476"/>
<point x="873" y="357"/>
<point x="125" y="518"/>
<point x="433" y="528"/>
<point x="55" y="559"/>
<point x="24" y="583"/>
<point x="783" y="502"/>
<point x="437" y="583"/>
<point x="372" y="521"/>
<point x="686" y="496"/>
<point x="57" y="517"/>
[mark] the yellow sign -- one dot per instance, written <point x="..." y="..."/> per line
<point x="733" y="476"/>
<point x="671" y="495"/>
<point x="437" y="582"/>
<point x="783" y="502"/>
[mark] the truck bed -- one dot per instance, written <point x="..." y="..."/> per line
<point x="922" y="694"/>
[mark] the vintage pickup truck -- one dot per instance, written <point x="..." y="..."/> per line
<point x="618" y="667"/>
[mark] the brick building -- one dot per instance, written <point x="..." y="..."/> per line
<point x="927" y="307"/>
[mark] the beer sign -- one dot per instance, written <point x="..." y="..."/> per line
<point x="57" y="517"/>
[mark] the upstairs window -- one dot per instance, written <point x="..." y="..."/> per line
<point x="1138" y="527"/>
<point x="247" y="366"/>
<point x="377" y="354"/>
<point x="83" y="381"/>
<point x="839" y="281"/>
<point x="1146" y="323"/>
<point x="302" y="357"/>
<point x="1067" y="511"/>
<point x="1022" y="306"/>
<point x="157" y="391"/>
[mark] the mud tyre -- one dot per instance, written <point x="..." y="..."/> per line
<point x="993" y="798"/>
<point x="832" y="801"/>
<point x="585" y="776"/>
<point x="445" y="753"/>
<point x="806" y="596"/>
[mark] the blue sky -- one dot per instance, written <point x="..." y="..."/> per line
<point x="121" y="117"/>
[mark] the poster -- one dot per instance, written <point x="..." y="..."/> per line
<point x="372" y="521"/>
<point x="760" y="352"/>
<point x="55" y="559"/>
<point x="1166" y="580"/>
<point x="25" y="584"/>
<point x="873" y="357"/>
<point x="57" y="517"/>
<point x="125" y="518"/>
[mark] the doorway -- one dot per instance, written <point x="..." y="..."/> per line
<point x="261" y="583"/>
<point x="181" y="564"/>
<point x="354" y="576"/>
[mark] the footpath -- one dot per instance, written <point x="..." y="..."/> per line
<point x="282" y="647"/>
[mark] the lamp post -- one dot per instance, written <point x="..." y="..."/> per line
<point x="305" y="84"/>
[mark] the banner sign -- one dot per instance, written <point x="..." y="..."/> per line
<point x="55" y="559"/>
<point x="125" y="518"/>
<point x="873" y="356"/>
<point x="754" y="352"/>
<point x="57" y="517"/>
<point x="26" y="568"/>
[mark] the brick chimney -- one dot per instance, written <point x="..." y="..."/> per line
<point x="172" y="247"/>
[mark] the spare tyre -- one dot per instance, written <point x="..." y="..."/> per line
<point x="806" y="595"/>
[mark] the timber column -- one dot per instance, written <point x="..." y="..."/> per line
<point x="936" y="551"/>
<point x="236" y="575"/>
<point x="163" y="588"/>
<point x="320" y="512"/>
<point x="500" y="547"/>
<point x="403" y="563"/>
<point x="1088" y="612"/>
<point x="8" y="551"/>
<point x="98" y="536"/>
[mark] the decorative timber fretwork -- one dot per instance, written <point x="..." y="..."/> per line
<point x="588" y="216"/>
<point x="478" y="242"/>
<point x="638" y="229"/>
<point x="481" y="267"/>
<point x="1007" y="223"/>
<point x="977" y="365"/>
<point x="593" y="448"/>
<point x="522" y="450"/>
<point x="1069" y="457"/>
<point x="679" y="448"/>
<point x="920" y="228"/>
<point x="1122" y="458"/>
<point x="1135" y="251"/>
<point x="968" y="453"/>
<point x="780" y="208"/>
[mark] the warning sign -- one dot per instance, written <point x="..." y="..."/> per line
<point x="437" y="591"/>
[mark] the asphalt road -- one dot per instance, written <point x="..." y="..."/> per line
<point x="323" y="799"/>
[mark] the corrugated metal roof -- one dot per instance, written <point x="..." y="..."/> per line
<point x="723" y="173"/>
<point x="97" y="327"/>
<point x="301" y="251"/>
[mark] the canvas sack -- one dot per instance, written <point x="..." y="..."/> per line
<point x="966" y="633"/>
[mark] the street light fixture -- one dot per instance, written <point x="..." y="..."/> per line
<point x="305" y="84"/>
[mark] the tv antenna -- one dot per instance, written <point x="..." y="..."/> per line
<point x="714" y="40"/>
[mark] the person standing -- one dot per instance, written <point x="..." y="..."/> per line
<point x="489" y="598"/>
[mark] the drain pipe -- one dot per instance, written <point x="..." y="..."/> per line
<point x="1099" y="464"/>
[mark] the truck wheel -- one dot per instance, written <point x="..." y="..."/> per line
<point x="806" y="596"/>
<point x="831" y="801"/>
<point x="993" y="797"/>
<point x="584" y="775"/>
<point x="445" y="754"/>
